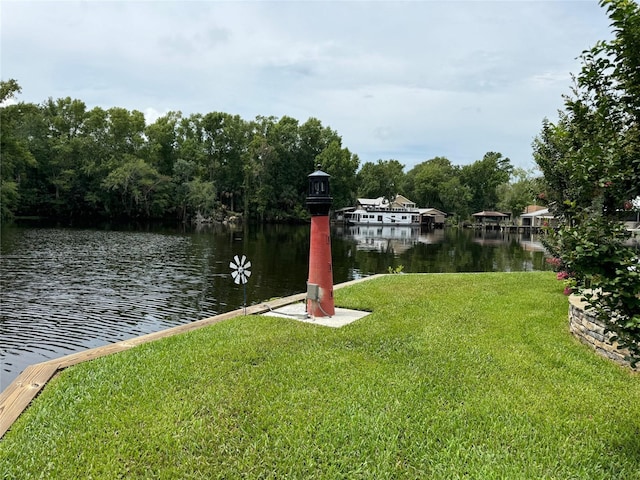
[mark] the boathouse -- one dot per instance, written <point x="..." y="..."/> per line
<point x="490" y="220"/>
<point x="432" y="217"/>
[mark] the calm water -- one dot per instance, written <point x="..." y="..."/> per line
<point x="63" y="290"/>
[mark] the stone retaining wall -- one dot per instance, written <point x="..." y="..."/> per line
<point x="588" y="329"/>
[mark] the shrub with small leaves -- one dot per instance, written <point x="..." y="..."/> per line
<point x="591" y="164"/>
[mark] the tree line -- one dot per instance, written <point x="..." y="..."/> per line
<point x="491" y="183"/>
<point x="62" y="160"/>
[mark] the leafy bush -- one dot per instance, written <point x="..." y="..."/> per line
<point x="591" y="163"/>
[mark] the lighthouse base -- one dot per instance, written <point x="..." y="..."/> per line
<point x="297" y="311"/>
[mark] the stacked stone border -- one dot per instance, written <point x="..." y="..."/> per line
<point x="591" y="331"/>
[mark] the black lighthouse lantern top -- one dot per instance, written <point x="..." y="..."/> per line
<point x="319" y="197"/>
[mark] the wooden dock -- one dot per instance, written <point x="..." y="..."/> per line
<point x="21" y="392"/>
<point x="526" y="229"/>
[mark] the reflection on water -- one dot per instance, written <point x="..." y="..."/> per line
<point x="526" y="241"/>
<point x="399" y="239"/>
<point x="383" y="238"/>
<point x="447" y="250"/>
<point x="65" y="290"/>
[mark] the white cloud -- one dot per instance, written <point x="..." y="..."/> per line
<point x="151" y="114"/>
<point x="404" y="80"/>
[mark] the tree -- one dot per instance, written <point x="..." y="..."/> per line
<point x="288" y="171"/>
<point x="161" y="144"/>
<point x="61" y="160"/>
<point x="16" y="157"/>
<point x="140" y="187"/>
<point x="8" y="90"/>
<point x="425" y="182"/>
<point x="257" y="185"/>
<point x="455" y="197"/>
<point x="97" y="162"/>
<point x="381" y="179"/>
<point x="342" y="165"/>
<point x="523" y="189"/>
<point x="483" y="178"/>
<point x="550" y="148"/>
<point x="202" y="197"/>
<point x="314" y="139"/>
<point x="122" y="142"/>
<point x="226" y="138"/>
<point x="64" y="119"/>
<point x="591" y="164"/>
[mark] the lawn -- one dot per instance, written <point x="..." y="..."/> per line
<point x="452" y="376"/>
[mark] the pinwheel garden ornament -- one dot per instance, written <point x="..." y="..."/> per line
<point x="241" y="273"/>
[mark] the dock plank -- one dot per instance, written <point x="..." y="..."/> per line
<point x="91" y="354"/>
<point x="19" y="394"/>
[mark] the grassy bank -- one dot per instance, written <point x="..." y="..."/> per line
<point x="451" y="376"/>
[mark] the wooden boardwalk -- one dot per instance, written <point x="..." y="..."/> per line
<point x="19" y="394"/>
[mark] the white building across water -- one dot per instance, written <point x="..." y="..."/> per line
<point x="401" y="212"/>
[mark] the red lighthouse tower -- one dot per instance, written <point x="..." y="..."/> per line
<point x="320" y="283"/>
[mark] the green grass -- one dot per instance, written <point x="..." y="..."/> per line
<point x="452" y="376"/>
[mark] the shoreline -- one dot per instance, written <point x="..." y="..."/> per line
<point x="20" y="392"/>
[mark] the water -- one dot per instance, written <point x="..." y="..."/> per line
<point x="63" y="290"/>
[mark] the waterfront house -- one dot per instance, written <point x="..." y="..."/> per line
<point x="538" y="218"/>
<point x="378" y="211"/>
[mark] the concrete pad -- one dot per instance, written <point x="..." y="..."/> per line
<point x="296" y="311"/>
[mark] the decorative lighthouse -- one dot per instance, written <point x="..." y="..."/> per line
<point x="320" y="283"/>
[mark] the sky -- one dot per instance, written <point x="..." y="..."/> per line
<point x="403" y="80"/>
